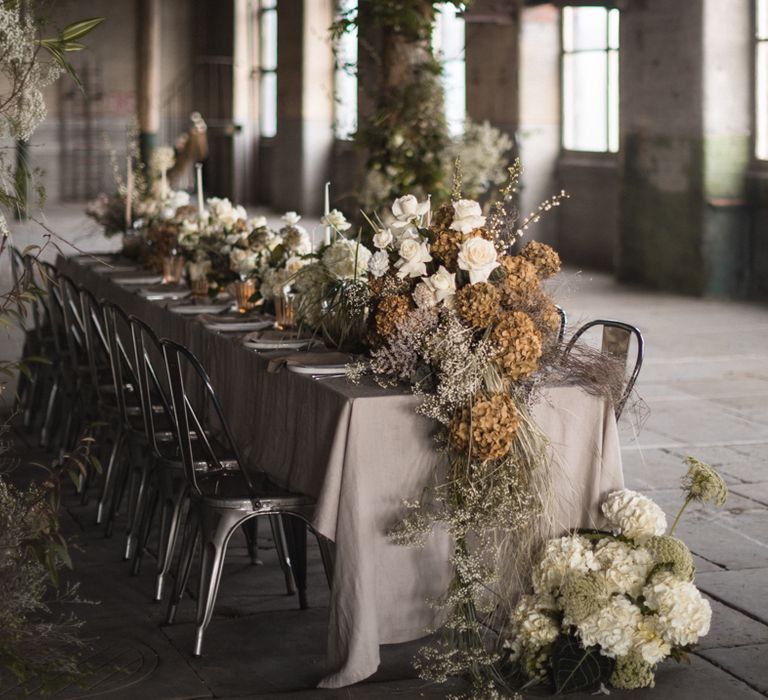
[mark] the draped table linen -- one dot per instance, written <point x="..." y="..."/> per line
<point x="360" y="450"/>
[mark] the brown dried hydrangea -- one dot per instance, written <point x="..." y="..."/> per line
<point x="478" y="304"/>
<point x="520" y="282"/>
<point x="162" y="239"/>
<point x="519" y="344"/>
<point x="388" y="285"/>
<point x="543" y="257"/>
<point x="443" y="216"/>
<point x="446" y="248"/>
<point x="390" y="311"/>
<point x="490" y="426"/>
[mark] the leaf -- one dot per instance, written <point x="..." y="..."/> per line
<point x="576" y="669"/>
<point x="79" y="29"/>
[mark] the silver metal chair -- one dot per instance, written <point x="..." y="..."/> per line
<point x="224" y="498"/>
<point x="615" y="342"/>
<point x="563" y="323"/>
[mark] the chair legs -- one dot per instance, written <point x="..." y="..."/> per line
<point x="296" y="532"/>
<point x="283" y="552"/>
<point x="110" y="476"/>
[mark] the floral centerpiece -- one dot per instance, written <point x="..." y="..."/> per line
<point x="332" y="291"/>
<point x="608" y="607"/>
<point x="290" y="252"/>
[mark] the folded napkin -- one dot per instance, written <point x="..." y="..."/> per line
<point x="328" y="357"/>
<point x="275" y="334"/>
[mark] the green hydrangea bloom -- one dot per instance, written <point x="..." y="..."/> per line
<point x="582" y="595"/>
<point x="670" y="550"/>
<point x="632" y="672"/>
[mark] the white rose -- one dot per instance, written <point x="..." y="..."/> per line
<point x="443" y="285"/>
<point x="291" y="218"/>
<point x="633" y="515"/>
<point x="234" y="238"/>
<point x="379" y="263"/>
<point x="257" y="222"/>
<point x="478" y="257"/>
<point x="242" y="262"/>
<point x="335" y="219"/>
<point x="408" y="209"/>
<point x="383" y="238"/>
<point x="413" y="258"/>
<point x="467" y="216"/>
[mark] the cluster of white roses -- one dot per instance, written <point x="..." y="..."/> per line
<point x="401" y="245"/>
<point x="630" y="593"/>
<point x="291" y="244"/>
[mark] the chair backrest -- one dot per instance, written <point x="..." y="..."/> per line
<point x="26" y="281"/>
<point x="120" y="341"/>
<point x="194" y="397"/>
<point x="96" y="341"/>
<point x="54" y="306"/>
<point x="74" y="323"/>
<point x="615" y="342"/>
<point x="154" y="390"/>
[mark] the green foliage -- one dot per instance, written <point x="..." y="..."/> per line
<point x="576" y="669"/>
<point x="66" y="42"/>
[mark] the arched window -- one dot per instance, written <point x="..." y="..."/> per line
<point x="590" y="79"/>
<point x="345" y="78"/>
<point x="448" y="41"/>
<point x="268" y="67"/>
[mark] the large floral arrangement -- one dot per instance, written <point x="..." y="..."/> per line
<point x="608" y="607"/>
<point x="224" y="245"/>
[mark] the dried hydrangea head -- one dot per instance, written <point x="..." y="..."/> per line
<point x="489" y="428"/>
<point x="520" y="281"/>
<point x="519" y="344"/>
<point x="442" y="218"/>
<point x="673" y="552"/>
<point x="445" y="248"/>
<point x="478" y="304"/>
<point x="582" y="595"/>
<point x="390" y="312"/>
<point x="543" y="257"/>
<point x="631" y="672"/>
<point x="388" y="284"/>
<point x="702" y="483"/>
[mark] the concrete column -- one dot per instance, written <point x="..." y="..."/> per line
<point x="149" y="75"/>
<point x="493" y="61"/>
<point x="684" y="127"/>
<point x="304" y="139"/>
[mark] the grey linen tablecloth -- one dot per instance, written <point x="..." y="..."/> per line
<point x="360" y="450"/>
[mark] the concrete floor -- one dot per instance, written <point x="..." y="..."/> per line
<point x="705" y="386"/>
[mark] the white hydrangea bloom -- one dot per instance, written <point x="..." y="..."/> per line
<point x="684" y="614"/>
<point x="346" y="259"/>
<point x="649" y="642"/>
<point x="613" y="627"/>
<point x="379" y="263"/>
<point x="624" y="568"/>
<point x="561" y="557"/>
<point x="531" y="626"/>
<point x="635" y="516"/>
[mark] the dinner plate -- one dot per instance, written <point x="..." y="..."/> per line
<point x="277" y="344"/>
<point x="163" y="295"/>
<point x="105" y="268"/>
<point x="137" y="280"/>
<point x="315" y="369"/>
<point x="239" y="326"/>
<point x="195" y="309"/>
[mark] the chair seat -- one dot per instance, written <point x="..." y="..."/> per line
<point x="229" y="489"/>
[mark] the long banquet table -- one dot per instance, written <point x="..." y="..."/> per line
<point x="360" y="450"/>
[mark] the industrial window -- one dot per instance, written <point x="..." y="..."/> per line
<point x="448" y="42"/>
<point x="268" y="67"/>
<point x="345" y="77"/>
<point x="761" y="80"/>
<point x="590" y="82"/>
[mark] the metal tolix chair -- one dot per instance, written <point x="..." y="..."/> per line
<point x="225" y="496"/>
<point x="615" y="342"/>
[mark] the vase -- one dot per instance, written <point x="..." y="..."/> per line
<point x="243" y="291"/>
<point x="199" y="287"/>
<point x="173" y="269"/>
<point x="285" y="309"/>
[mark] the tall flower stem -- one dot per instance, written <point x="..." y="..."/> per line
<point x="680" y="514"/>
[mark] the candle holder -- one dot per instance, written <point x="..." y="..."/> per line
<point x="285" y="310"/>
<point x="243" y="291"/>
<point x="199" y="287"/>
<point x="173" y="269"/>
